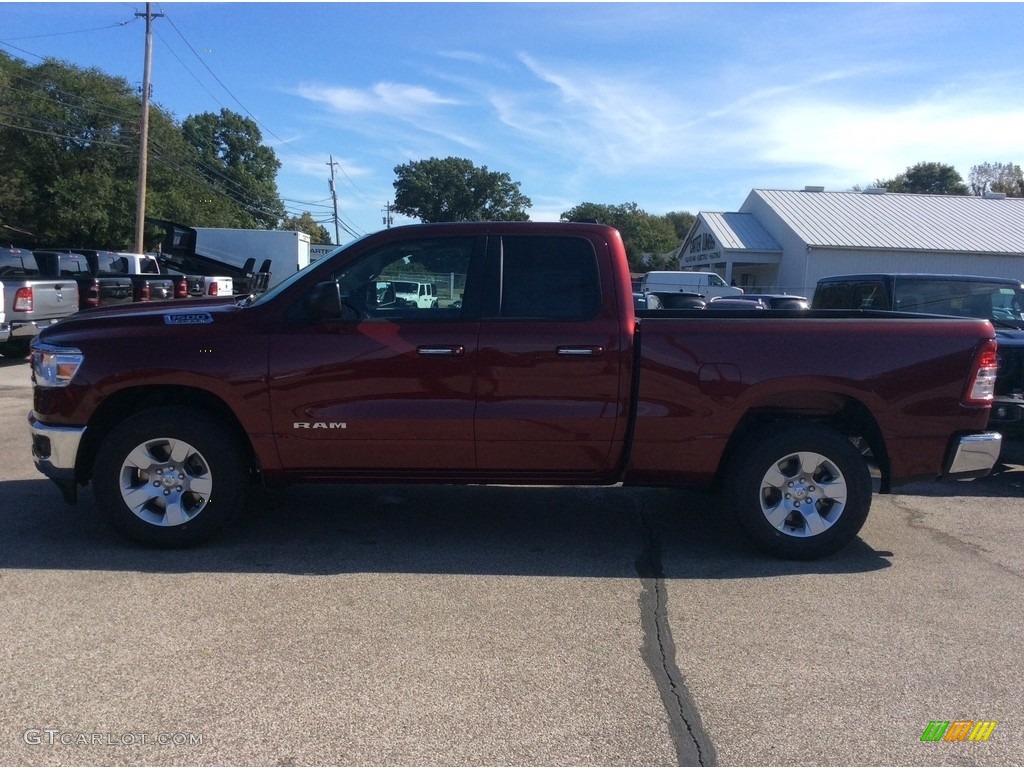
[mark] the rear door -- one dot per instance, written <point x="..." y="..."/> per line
<point x="550" y="396"/>
<point x="388" y="385"/>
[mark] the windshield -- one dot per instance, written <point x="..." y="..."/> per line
<point x="293" y="278"/>
<point x="1002" y="303"/>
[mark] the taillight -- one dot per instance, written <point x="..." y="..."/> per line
<point x="981" y="386"/>
<point x="144" y="293"/>
<point x="181" y="289"/>
<point x="213" y="288"/>
<point x="23" y="300"/>
<point x="92" y="298"/>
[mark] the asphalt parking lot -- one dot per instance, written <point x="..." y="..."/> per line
<point x="386" y="625"/>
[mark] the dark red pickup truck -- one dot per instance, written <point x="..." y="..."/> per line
<point x="532" y="368"/>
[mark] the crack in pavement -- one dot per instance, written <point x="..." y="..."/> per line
<point x="692" y="744"/>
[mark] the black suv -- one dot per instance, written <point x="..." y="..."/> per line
<point x="998" y="299"/>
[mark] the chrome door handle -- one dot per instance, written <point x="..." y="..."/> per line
<point x="452" y="351"/>
<point x="580" y="351"/>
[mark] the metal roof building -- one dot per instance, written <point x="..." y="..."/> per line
<point x="784" y="240"/>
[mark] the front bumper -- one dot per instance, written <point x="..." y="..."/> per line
<point x="1007" y="414"/>
<point x="55" y="450"/>
<point x="973" y="455"/>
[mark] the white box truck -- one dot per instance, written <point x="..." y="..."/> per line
<point x="254" y="258"/>
<point x="707" y="284"/>
<point x="279" y="252"/>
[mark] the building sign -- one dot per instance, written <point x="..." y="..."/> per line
<point x="703" y="250"/>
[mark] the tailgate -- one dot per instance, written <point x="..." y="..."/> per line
<point x="115" y="290"/>
<point x="160" y="288"/>
<point x="50" y="299"/>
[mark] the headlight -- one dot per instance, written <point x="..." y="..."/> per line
<point x="54" y="366"/>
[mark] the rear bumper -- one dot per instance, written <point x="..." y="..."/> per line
<point x="21" y="329"/>
<point x="54" y="451"/>
<point x="972" y="455"/>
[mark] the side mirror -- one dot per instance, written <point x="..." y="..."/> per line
<point x="324" y="302"/>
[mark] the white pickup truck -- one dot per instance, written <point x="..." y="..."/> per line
<point x="185" y="286"/>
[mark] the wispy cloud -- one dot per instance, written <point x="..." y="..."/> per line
<point x="396" y="99"/>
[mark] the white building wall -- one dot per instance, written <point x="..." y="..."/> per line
<point x="801" y="267"/>
<point x="792" y="273"/>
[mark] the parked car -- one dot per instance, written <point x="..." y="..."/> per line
<point x="148" y="281"/>
<point x="707" y="284"/>
<point x="667" y="300"/>
<point x="779" y="300"/>
<point x="419" y="294"/>
<point x="740" y="304"/>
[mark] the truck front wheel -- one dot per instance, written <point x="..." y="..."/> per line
<point x="168" y="477"/>
<point x="15" y="350"/>
<point x="800" y="491"/>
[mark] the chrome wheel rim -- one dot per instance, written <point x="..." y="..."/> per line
<point x="803" y="494"/>
<point x="165" y="482"/>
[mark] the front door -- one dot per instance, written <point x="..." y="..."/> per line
<point x="390" y="384"/>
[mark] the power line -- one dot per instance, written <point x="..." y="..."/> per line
<point x="224" y="186"/>
<point x="69" y="32"/>
<point x="284" y="143"/>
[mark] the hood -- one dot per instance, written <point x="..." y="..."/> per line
<point x="1010" y="337"/>
<point x="148" y="315"/>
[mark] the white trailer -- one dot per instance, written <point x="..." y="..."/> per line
<point x="287" y="252"/>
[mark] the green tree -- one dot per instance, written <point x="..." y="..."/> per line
<point x="997" y="177"/>
<point x="682" y="222"/>
<point x="237" y="167"/>
<point x="69" y="146"/>
<point x="454" y="189"/>
<point x="927" y="178"/>
<point x="305" y="223"/>
<point x="646" y="237"/>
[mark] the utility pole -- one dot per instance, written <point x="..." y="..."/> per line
<point x="334" y="196"/>
<point x="388" y="218"/>
<point x="140" y="206"/>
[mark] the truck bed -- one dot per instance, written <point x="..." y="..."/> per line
<point x="703" y="372"/>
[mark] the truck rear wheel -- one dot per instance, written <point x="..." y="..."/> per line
<point x="169" y="477"/>
<point x="801" y="491"/>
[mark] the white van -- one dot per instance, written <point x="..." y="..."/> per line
<point x="707" y="284"/>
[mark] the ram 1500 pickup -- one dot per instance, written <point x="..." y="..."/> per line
<point x="30" y="302"/>
<point x="542" y="374"/>
<point x="149" y="283"/>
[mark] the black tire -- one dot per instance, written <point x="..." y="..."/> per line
<point x="170" y="499"/>
<point x="779" y="473"/>
<point x="15" y="351"/>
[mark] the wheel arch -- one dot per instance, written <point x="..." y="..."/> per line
<point x="113" y="410"/>
<point x="841" y="412"/>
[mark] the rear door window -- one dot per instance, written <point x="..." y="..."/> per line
<point x="545" y="278"/>
<point x="18" y="263"/>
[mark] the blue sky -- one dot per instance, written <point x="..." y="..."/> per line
<point x="673" y="106"/>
